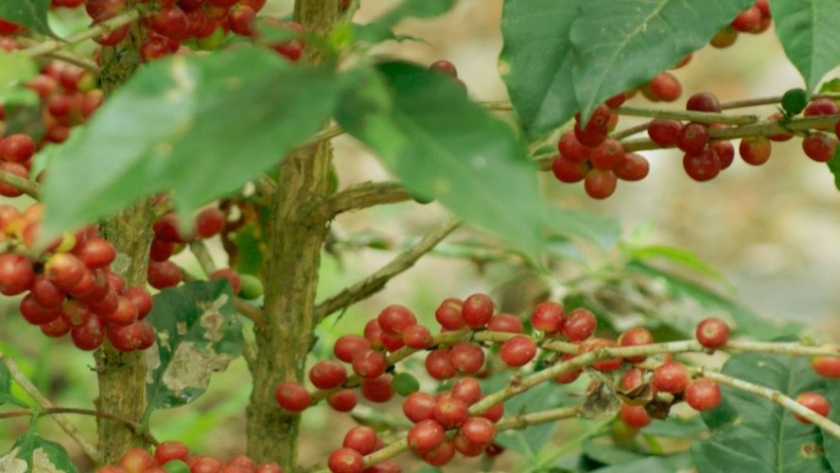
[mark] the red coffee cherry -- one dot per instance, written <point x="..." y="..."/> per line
<point x="327" y="374"/>
<point x="634" y="416"/>
<point x="478" y="430"/>
<point x="448" y="314"/>
<point x="826" y="366"/>
<point x="477" y="310"/>
<point x="548" y="317"/>
<point x="395" y="319"/>
<point x="292" y="396"/>
<point x="346" y="460"/>
<point x="343" y="401"/>
<point x="635" y="337"/>
<point x="425" y="435"/>
<point x="369" y="364"/>
<point x="671" y="377"/>
<point x="815" y="402"/>
<point x="580" y="324"/>
<point x="438" y="364"/>
<point x="361" y="438"/>
<point x="518" y="351"/>
<point x="418" y="337"/>
<point x="378" y="389"/>
<point x="505" y="323"/>
<point x="347" y="346"/>
<point x="702" y="394"/>
<point x="449" y="411"/>
<point x="466" y="357"/>
<point x="418" y="406"/>
<point x="712" y="333"/>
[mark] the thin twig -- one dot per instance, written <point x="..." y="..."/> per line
<point x="199" y="249"/>
<point x="50" y="46"/>
<point x="375" y="282"/>
<point x="692" y="116"/>
<point x="64" y="56"/>
<point x="134" y="426"/>
<point x="45" y="404"/>
<point x="362" y="196"/>
<point x="30" y="188"/>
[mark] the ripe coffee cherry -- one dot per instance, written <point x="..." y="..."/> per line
<point x="232" y="278"/>
<point x="755" y="150"/>
<point x="815" y="402"/>
<point x="665" y="87"/>
<point x="518" y="351"/>
<point x="209" y="222"/>
<point x="425" y="435"/>
<point x="418" y="406"/>
<point x="478" y="430"/>
<point x="14" y="168"/>
<point x="568" y="376"/>
<point x="373" y="333"/>
<point x="242" y="20"/>
<point x="572" y="149"/>
<point x="693" y="137"/>
<point x="90" y="335"/>
<point x="440" y="455"/>
<point x="449" y="411"/>
<point x="17" y="147"/>
<point x="292" y="396"/>
<point x="702" y="394"/>
<point x="378" y="389"/>
<point x="826" y="366"/>
<point x="141" y="299"/>
<point x="171" y="22"/>
<point x="448" y="314"/>
<point x="748" y="21"/>
<point x="616" y="100"/>
<point x="327" y="374"/>
<point x="821" y="107"/>
<point x="16" y="274"/>
<point x="137" y="459"/>
<point x="64" y="270"/>
<point x="703" y="102"/>
<point x="395" y="319"/>
<point x="635" y="337"/>
<point x="161" y="275"/>
<point x="467" y="448"/>
<point x="505" y="323"/>
<point x="599" y="184"/>
<point x="346" y="460"/>
<point x="548" y="317"/>
<point x="569" y="171"/>
<point x="702" y="166"/>
<point x="347" y="346"/>
<point x="35" y="313"/>
<point x="45" y="293"/>
<point x="418" y="337"/>
<point x="171" y="450"/>
<point x="466" y="357"/>
<point x="633" y="167"/>
<point x="204" y="464"/>
<point x="495" y="413"/>
<point x="369" y="364"/>
<point x="580" y="324"/>
<point x="712" y="333"/>
<point x="595" y="344"/>
<point x="343" y="401"/>
<point x="819" y="146"/>
<point x="361" y="438"/>
<point x="128" y="338"/>
<point x="444" y="66"/>
<point x="95" y="252"/>
<point x="439" y="365"/>
<point x="124" y="314"/>
<point x="725" y="152"/>
<point x="671" y="377"/>
<point x="664" y="131"/>
<point x="56" y="329"/>
<point x="467" y="390"/>
<point x="607" y="155"/>
<point x="634" y="416"/>
<point x="477" y="310"/>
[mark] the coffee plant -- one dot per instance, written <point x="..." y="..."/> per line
<point x="169" y="197"/>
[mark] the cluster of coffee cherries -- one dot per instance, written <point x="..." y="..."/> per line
<point x="173" y="456"/>
<point x="69" y="288"/>
<point x="183" y="25"/>
<point x="665" y="87"/>
<point x="68" y="97"/>
<point x="587" y="154"/>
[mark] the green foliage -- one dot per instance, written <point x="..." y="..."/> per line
<point x="198" y="332"/>
<point x="15" y="69"/>
<point x="31" y="453"/>
<point x="809" y="35"/>
<point x="754" y="434"/>
<point x="381" y="29"/>
<point x="6" y="396"/>
<point x="834" y="167"/>
<point x="652" y="464"/>
<point x="559" y="59"/>
<point x="527" y="441"/>
<point x="30" y="13"/>
<point x="202" y="124"/>
<point x="831" y="444"/>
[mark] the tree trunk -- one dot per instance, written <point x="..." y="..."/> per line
<point x="291" y="278"/>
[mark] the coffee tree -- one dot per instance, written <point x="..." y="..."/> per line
<point x="180" y="126"/>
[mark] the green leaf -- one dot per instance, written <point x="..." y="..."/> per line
<point x="831" y="444"/>
<point x="6" y="396"/>
<point x="31" y="453"/>
<point x="808" y="32"/>
<point x="530" y="440"/>
<point x="250" y="249"/>
<point x="198" y="332"/>
<point x="620" y="45"/>
<point x="746" y="321"/>
<point x="30" y="13"/>
<point x="676" y="427"/>
<point x="608" y="453"/>
<point x="676" y="255"/>
<point x="15" y="70"/>
<point x="834" y="167"/>
<point x="754" y="434"/>
<point x="444" y="146"/>
<point x="203" y="125"/>
<point x="380" y="30"/>
<point x="666" y="464"/>
<point x="536" y="62"/>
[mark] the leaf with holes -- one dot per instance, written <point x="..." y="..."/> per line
<point x="202" y="124"/>
<point x="620" y="45"/>
<point x="29" y="13"/>
<point x="754" y="434"/>
<point x="809" y="35"/>
<point x="198" y="332"/>
<point x="536" y="62"/>
<point x="32" y="453"/>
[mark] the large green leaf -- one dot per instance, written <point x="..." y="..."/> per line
<point x="380" y="29"/>
<point x="652" y="464"/>
<point x="753" y="434"/>
<point x="15" y="70"/>
<point x="198" y="332"/>
<point x="831" y="444"/>
<point x="808" y="32"/>
<point x="536" y="61"/>
<point x="746" y="321"/>
<point x="834" y="167"/>
<point x="621" y="44"/>
<point x="444" y="146"/>
<point x="31" y="13"/>
<point x="203" y="125"/>
<point x="6" y="396"/>
<point x="31" y="453"/>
